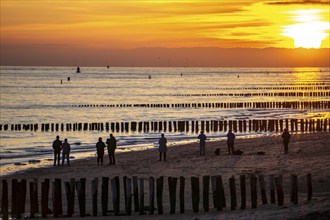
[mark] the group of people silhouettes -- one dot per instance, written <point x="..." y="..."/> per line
<point x="59" y="146"/>
<point x="111" y="145"/>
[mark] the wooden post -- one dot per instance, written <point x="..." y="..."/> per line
<point x="195" y="193"/>
<point x="104" y="196"/>
<point x="136" y="194"/>
<point x="160" y="183"/>
<point x="57" y="198"/>
<point x="232" y="186"/>
<point x="243" y="191"/>
<point x="253" y="184"/>
<point x="309" y="187"/>
<point x="151" y="195"/>
<point x="279" y="190"/>
<point x="294" y="189"/>
<point x="20" y="201"/>
<point x="172" y="192"/>
<point x="262" y="189"/>
<point x="80" y="187"/>
<point x="44" y="197"/>
<point x="115" y="195"/>
<point x="4" y="199"/>
<point x="206" y="186"/>
<point x="94" y="196"/>
<point x="34" y="198"/>
<point x="218" y="193"/>
<point x="128" y="200"/>
<point x="182" y="186"/>
<point x="272" y="189"/>
<point x="214" y="188"/>
<point x="141" y="186"/>
<point x="69" y="189"/>
<point x="221" y="192"/>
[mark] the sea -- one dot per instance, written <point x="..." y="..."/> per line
<point x="37" y="95"/>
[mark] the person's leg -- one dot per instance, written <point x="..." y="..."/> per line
<point x="203" y="149"/>
<point x="109" y="154"/>
<point x="228" y="148"/>
<point x="286" y="147"/>
<point x="160" y="156"/>
<point x="58" y="158"/>
<point x="98" y="159"/>
<point x="68" y="158"/>
<point x="200" y="149"/>
<point x="113" y="157"/>
<point x="55" y="158"/>
<point x="63" y="158"/>
<point x="102" y="159"/>
<point x="164" y="156"/>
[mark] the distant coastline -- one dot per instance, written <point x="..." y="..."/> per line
<point x="168" y="57"/>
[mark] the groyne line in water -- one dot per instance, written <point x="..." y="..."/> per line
<point x="226" y="105"/>
<point x="187" y="126"/>
<point x="284" y="94"/>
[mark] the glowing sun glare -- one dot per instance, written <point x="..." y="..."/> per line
<point x="309" y="31"/>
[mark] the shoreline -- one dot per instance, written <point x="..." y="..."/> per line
<point x="308" y="153"/>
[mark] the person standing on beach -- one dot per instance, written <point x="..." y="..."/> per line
<point x="230" y="142"/>
<point x="286" y="138"/>
<point x="202" y="139"/>
<point x="57" y="145"/>
<point x="100" y="151"/>
<point x="162" y="147"/>
<point x="112" y="145"/>
<point x="66" y="152"/>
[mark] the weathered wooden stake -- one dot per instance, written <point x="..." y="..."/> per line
<point x="115" y="196"/>
<point x="182" y="186"/>
<point x="253" y="184"/>
<point x="243" y="191"/>
<point x="160" y="185"/>
<point x="195" y="193"/>
<point x="263" y="189"/>
<point x="128" y="200"/>
<point x="104" y="196"/>
<point x="141" y="186"/>
<point x="136" y="194"/>
<point x="206" y="186"/>
<point x="151" y="195"/>
<point x="172" y="181"/>
<point x="81" y="192"/>
<point x="279" y="190"/>
<point x="232" y="186"/>
<point x="44" y="197"/>
<point x="4" y="200"/>
<point x="34" y="198"/>
<point x="94" y="186"/>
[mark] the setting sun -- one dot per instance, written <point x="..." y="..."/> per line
<point x="309" y="31"/>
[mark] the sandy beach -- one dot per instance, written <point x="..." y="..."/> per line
<point x="308" y="153"/>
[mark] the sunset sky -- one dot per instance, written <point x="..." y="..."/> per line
<point x="61" y="25"/>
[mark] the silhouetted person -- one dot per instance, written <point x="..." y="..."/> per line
<point x="230" y="141"/>
<point x="162" y="147"/>
<point x="202" y="139"/>
<point x="286" y="138"/>
<point x="112" y="145"/>
<point x="66" y="152"/>
<point x="57" y="144"/>
<point x="100" y="151"/>
<point x="78" y="69"/>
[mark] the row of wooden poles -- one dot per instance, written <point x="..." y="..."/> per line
<point x="225" y="105"/>
<point x="134" y="188"/>
<point x="266" y="125"/>
<point x="285" y="94"/>
<point x="307" y="86"/>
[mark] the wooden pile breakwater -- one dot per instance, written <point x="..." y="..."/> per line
<point x="270" y="94"/>
<point x="200" y="195"/>
<point x="255" y="125"/>
<point x="222" y="105"/>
